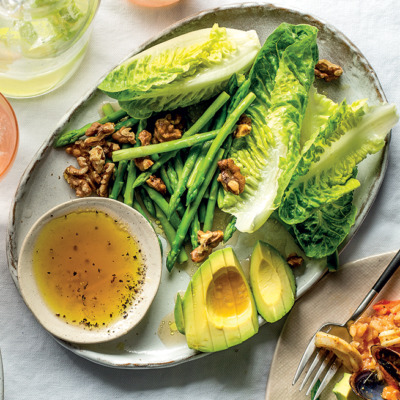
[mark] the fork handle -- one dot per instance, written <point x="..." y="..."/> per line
<point x="379" y="284"/>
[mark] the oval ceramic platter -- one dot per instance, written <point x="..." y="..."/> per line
<point x="153" y="344"/>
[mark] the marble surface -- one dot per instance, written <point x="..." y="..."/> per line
<point x="35" y="366"/>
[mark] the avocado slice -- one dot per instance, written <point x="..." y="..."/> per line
<point x="178" y="314"/>
<point x="272" y="281"/>
<point x="218" y="309"/>
<point x="343" y="390"/>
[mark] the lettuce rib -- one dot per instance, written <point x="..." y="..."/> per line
<point x="281" y="77"/>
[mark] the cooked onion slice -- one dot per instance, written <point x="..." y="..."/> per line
<point x="390" y="337"/>
<point x="348" y="354"/>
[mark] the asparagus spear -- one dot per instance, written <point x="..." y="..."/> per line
<point x="202" y="212"/>
<point x="212" y="200"/>
<point x="178" y="160"/>
<point x="128" y="192"/>
<point x="216" y="144"/>
<point x="148" y="203"/>
<point x="159" y="200"/>
<point x="166" y="180"/>
<point x="215" y="191"/>
<point x="169" y="233"/>
<point x="194" y="228"/>
<point x="187" y="169"/>
<point x="172" y="175"/>
<point x="126" y="124"/>
<point x="73" y="135"/>
<point x="232" y="89"/>
<point x="230" y="229"/>
<point x="107" y="109"/>
<point x="119" y="177"/>
<point x="195" y="170"/>
<point x="195" y="128"/>
<point x="190" y="213"/>
<point x="131" y="175"/>
<point x="138" y="207"/>
<point x="127" y="154"/>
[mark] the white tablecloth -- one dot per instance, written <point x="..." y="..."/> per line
<point x="36" y="367"/>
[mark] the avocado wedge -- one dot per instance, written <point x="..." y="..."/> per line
<point x="218" y="309"/>
<point x="272" y="282"/>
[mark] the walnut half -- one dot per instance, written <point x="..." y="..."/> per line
<point x="157" y="184"/>
<point x="243" y="127"/>
<point x="230" y="177"/>
<point x="294" y="260"/>
<point x="327" y="71"/>
<point x="208" y="241"/>
<point x="167" y="129"/>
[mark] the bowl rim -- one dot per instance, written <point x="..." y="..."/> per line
<point x="6" y="103"/>
<point x="152" y="257"/>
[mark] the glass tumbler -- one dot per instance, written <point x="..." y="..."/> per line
<point x="42" y="43"/>
<point x="8" y="136"/>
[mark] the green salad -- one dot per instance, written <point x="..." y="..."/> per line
<point x="296" y="160"/>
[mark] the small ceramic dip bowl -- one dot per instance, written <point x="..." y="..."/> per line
<point x="89" y="269"/>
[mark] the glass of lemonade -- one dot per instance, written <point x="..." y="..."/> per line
<point x="42" y="43"/>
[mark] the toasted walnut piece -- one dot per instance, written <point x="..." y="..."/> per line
<point x="124" y="135"/>
<point x="82" y="186"/>
<point x="327" y="71"/>
<point x="78" y="149"/>
<point x="101" y="132"/>
<point x="105" y="179"/>
<point x="165" y="129"/>
<point x="294" y="260"/>
<point x="208" y="241"/>
<point x="97" y="158"/>
<point x="157" y="184"/>
<point x="143" y="163"/>
<point x="94" y="177"/>
<point x="145" y="137"/>
<point x="109" y="147"/>
<point x="98" y="129"/>
<point x="84" y="167"/>
<point x="93" y="129"/>
<point x="230" y="177"/>
<point x="243" y="127"/>
<point x="78" y="179"/>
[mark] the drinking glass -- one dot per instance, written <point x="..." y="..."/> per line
<point x="154" y="3"/>
<point x="42" y="43"/>
<point x="8" y="136"/>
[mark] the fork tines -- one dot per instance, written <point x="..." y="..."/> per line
<point x="324" y="362"/>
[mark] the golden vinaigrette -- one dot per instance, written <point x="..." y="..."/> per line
<point x="88" y="268"/>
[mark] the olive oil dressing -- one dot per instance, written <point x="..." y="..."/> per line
<point x="88" y="268"/>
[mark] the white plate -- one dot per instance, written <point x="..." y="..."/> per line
<point x="144" y="348"/>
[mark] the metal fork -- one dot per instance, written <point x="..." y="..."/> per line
<point x="326" y="363"/>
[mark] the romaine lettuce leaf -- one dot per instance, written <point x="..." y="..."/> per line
<point x="281" y="77"/>
<point x="325" y="172"/>
<point x="181" y="71"/>
<point x="323" y="231"/>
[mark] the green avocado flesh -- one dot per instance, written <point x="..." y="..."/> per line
<point x="272" y="281"/>
<point x="343" y="390"/>
<point x="218" y="309"/>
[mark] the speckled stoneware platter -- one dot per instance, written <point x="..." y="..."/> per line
<point x="152" y="344"/>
